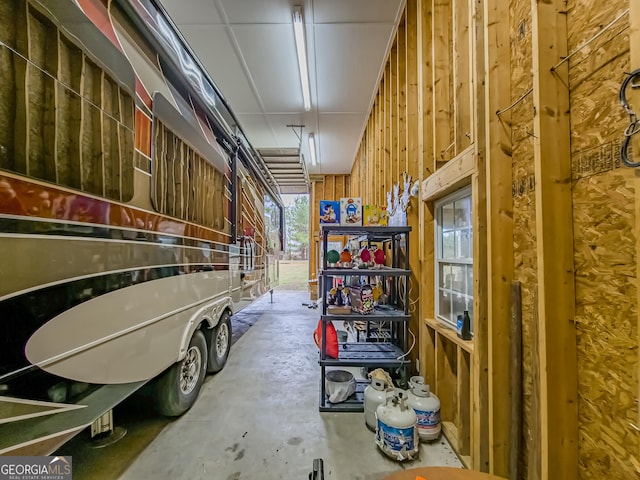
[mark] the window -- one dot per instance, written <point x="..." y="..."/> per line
<point x="454" y="257"/>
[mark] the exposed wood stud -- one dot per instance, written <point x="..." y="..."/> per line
<point x="556" y="295"/>
<point x="401" y="164"/>
<point x="499" y="243"/>
<point x="515" y="362"/>
<point x="395" y="120"/>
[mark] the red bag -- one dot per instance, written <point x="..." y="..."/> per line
<point x="332" y="339"/>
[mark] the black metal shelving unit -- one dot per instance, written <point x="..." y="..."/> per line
<point x="379" y="349"/>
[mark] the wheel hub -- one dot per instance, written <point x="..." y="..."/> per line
<point x="222" y="340"/>
<point x="190" y="371"/>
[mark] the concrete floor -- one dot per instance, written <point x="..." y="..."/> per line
<point x="258" y="418"/>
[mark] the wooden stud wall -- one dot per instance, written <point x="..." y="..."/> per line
<point x="330" y="187"/>
<point x="404" y="135"/>
<point x="553" y="209"/>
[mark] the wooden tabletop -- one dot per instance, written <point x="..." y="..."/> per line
<point x="440" y="473"/>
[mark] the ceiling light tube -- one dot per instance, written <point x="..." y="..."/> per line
<point x="301" y="49"/>
<point x="312" y="149"/>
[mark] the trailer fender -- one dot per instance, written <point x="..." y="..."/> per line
<point x="206" y="318"/>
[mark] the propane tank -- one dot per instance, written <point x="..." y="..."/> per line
<point x="374" y="395"/>
<point x="427" y="408"/>
<point x="416" y="379"/>
<point x="396" y="430"/>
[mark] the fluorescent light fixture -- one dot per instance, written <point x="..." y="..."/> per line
<point x="301" y="49"/>
<point x="312" y="149"/>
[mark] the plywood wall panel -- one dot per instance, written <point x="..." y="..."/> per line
<point x="606" y="328"/>
<point x="605" y="244"/>
<point x="524" y="228"/>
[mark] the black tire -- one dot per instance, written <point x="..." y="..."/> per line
<point x="220" y="344"/>
<point x="177" y="389"/>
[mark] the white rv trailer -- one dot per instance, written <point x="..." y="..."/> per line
<point x="135" y="217"/>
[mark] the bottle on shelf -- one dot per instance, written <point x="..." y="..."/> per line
<point x="464" y="326"/>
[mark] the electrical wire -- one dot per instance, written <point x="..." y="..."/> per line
<point x="413" y="344"/>
<point x="404" y="297"/>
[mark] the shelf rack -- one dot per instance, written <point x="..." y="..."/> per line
<point x="384" y="350"/>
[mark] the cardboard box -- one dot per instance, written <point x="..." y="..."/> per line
<point x="350" y="211"/>
<point x="375" y="215"/>
<point x="329" y="211"/>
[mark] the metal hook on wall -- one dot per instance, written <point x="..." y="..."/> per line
<point x="634" y="126"/>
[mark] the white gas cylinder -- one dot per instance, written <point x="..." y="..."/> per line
<point x="374" y="395"/>
<point x="397" y="427"/>
<point x="416" y="379"/>
<point x="427" y="408"/>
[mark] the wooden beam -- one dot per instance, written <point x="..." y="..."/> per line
<point x="453" y="175"/>
<point x="554" y="236"/>
<point x="378" y="133"/>
<point x="515" y="380"/>
<point x="395" y="125"/>
<point x="387" y="161"/>
<point x="353" y="186"/>
<point x="401" y="164"/>
<point x="339" y="187"/>
<point x="441" y="79"/>
<point x="365" y="167"/>
<point x="499" y="247"/>
<point x="413" y="160"/>
<point x="428" y="341"/>
<point x="462" y="100"/>
<point x="464" y="402"/>
<point x="425" y="155"/>
<point x="329" y="187"/>
<point x="480" y="446"/>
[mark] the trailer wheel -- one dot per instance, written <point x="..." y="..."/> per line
<point x="220" y="344"/>
<point x="177" y="389"/>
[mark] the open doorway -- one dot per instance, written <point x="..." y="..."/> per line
<point x="294" y="264"/>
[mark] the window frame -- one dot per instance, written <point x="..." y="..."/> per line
<point x="440" y="259"/>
